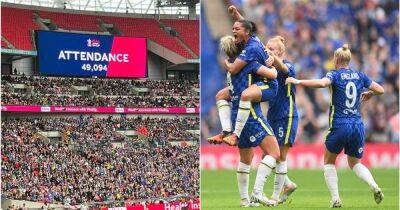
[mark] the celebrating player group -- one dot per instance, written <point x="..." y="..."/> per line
<point x="258" y="73"/>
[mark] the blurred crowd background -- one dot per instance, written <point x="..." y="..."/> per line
<point x="312" y="31"/>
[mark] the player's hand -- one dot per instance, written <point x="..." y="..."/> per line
<point x="292" y="80"/>
<point x="226" y="64"/>
<point x="268" y="51"/>
<point x="270" y="60"/>
<point x="232" y="10"/>
<point x="365" y="96"/>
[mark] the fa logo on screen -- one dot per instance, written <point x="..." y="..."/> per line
<point x="93" y="42"/>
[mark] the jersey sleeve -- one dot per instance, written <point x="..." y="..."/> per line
<point x="366" y="80"/>
<point x="331" y="76"/>
<point x="254" y="66"/>
<point x="248" y="54"/>
<point x="291" y="72"/>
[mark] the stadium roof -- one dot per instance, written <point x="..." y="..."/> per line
<point x="120" y="6"/>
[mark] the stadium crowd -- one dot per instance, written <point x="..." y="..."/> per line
<point x="115" y="87"/>
<point x="91" y="169"/>
<point x="84" y="129"/>
<point x="96" y="100"/>
<point x="312" y="31"/>
<point x="103" y="92"/>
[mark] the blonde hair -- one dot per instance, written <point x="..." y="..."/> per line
<point x="280" y="41"/>
<point x="343" y="55"/>
<point x="227" y="44"/>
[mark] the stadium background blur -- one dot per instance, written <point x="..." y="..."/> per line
<point x="312" y="31"/>
<point x="81" y="155"/>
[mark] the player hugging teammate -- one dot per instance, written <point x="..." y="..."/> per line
<point x="258" y="74"/>
<point x="248" y="87"/>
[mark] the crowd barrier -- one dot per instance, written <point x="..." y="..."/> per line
<point x="171" y="205"/>
<point x="302" y="156"/>
<point x="195" y="205"/>
<point x="100" y="110"/>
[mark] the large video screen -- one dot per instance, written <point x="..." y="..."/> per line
<point x="86" y="55"/>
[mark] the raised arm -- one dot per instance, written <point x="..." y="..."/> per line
<point x="315" y="83"/>
<point x="235" y="13"/>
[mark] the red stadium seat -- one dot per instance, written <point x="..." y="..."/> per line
<point x="17" y="24"/>
<point x="78" y="22"/>
<point x="185" y="29"/>
<point x="148" y="28"/>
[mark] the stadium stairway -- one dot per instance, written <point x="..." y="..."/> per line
<point x="43" y="136"/>
<point x="5" y="43"/>
<point x="178" y="36"/>
<point x="45" y="24"/>
<point x="77" y="22"/>
<point x="185" y="29"/>
<point x="110" y="27"/>
<point x="180" y="41"/>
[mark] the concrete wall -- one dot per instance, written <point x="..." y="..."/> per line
<point x="156" y="66"/>
<point x="5" y="203"/>
<point x="25" y="65"/>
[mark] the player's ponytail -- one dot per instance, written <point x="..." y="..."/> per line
<point x="345" y="47"/>
<point x="280" y="38"/>
<point x="342" y="56"/>
<point x="227" y="45"/>
<point x="253" y="28"/>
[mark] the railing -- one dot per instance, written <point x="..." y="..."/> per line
<point x="99" y="110"/>
<point x="302" y="156"/>
<point x="183" y="201"/>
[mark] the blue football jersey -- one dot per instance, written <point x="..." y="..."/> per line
<point x="241" y="82"/>
<point x="257" y="125"/>
<point x="284" y="104"/>
<point x="253" y="51"/>
<point x="346" y="88"/>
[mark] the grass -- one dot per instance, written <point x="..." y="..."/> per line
<point x="219" y="190"/>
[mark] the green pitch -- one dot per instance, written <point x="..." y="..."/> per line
<point x="219" y="190"/>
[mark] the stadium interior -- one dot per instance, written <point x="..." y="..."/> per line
<point x="312" y="31"/>
<point x="59" y="159"/>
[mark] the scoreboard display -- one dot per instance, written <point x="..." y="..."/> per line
<point x="86" y="55"/>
